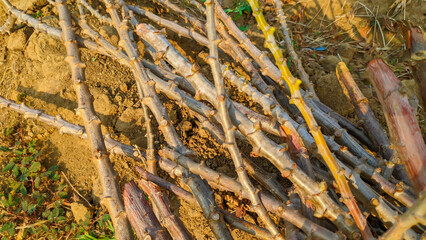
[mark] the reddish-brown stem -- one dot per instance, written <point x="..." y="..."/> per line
<point x="405" y="133"/>
<point x="144" y="222"/>
<point x="231" y="219"/>
<point x="169" y="219"/>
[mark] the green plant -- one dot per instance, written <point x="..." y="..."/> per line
<point x="244" y="27"/>
<point x="34" y="199"/>
<point x="28" y="205"/>
<point x="100" y="229"/>
<point x="38" y="14"/>
<point x="241" y="7"/>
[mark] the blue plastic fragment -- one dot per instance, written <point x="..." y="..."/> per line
<point x="318" y="48"/>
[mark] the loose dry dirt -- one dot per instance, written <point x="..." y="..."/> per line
<point x="32" y="69"/>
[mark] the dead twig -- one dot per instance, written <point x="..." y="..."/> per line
<point x="75" y="190"/>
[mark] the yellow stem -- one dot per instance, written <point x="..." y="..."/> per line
<point x="297" y="99"/>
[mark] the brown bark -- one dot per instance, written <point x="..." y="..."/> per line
<point x="363" y="111"/>
<point x="406" y="136"/>
<point x="144" y="222"/>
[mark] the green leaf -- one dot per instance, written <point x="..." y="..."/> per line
<point x="5" y="149"/>
<point x="16" y="170"/>
<point x="32" y="143"/>
<point x="7" y="131"/>
<point x="38" y="14"/>
<point x="50" y="171"/>
<point x="50" y="217"/>
<point x="18" y="152"/>
<point x="11" y="201"/>
<point x="23" y="178"/>
<point x="15" y="186"/>
<point x="106" y="217"/>
<point x="32" y="208"/>
<point x="26" y="160"/>
<point x="9" y="227"/>
<point x="57" y="204"/>
<point x="23" y="190"/>
<point x="24" y="205"/>
<point x="243" y="28"/>
<point x="24" y="170"/>
<point x="44" y="227"/>
<point x="55" y="212"/>
<point x="55" y="177"/>
<point x="4" y="227"/>
<point x="8" y="166"/>
<point x="37" y="182"/>
<point x="46" y="214"/>
<point x="63" y="195"/>
<point x="35" y="166"/>
<point x="61" y="186"/>
<point x="5" y="203"/>
<point x="61" y="211"/>
<point x="40" y="200"/>
<point x="53" y="168"/>
<point x="25" y="173"/>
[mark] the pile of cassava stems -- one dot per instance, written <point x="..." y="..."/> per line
<point x="337" y="182"/>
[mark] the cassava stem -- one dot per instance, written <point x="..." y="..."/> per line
<point x="228" y="127"/>
<point x="297" y="99"/>
<point x="111" y="196"/>
<point x="183" y="13"/>
<point x="363" y="110"/>
<point x="389" y="188"/>
<point x="115" y="147"/>
<point x="269" y="69"/>
<point x="144" y="222"/>
<point x="169" y="219"/>
<point x="414" y="215"/>
<point x="149" y="97"/>
<point x="231" y="219"/>
<point x="289" y="44"/>
<point x="200" y="190"/>
<point x="226" y="183"/>
<point x="150" y="151"/>
<point x="95" y="13"/>
<point x="262" y="145"/>
<point x="188" y="33"/>
<point x="405" y="133"/>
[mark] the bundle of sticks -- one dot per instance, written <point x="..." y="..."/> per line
<point x="337" y="181"/>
